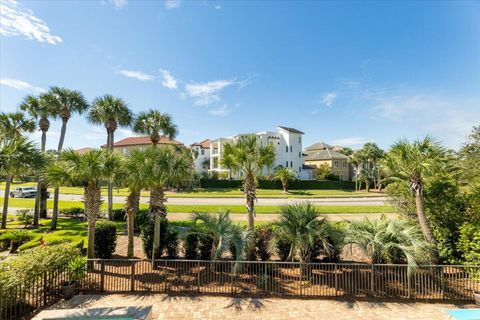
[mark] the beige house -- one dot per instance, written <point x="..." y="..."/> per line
<point x="122" y="146"/>
<point x="320" y="153"/>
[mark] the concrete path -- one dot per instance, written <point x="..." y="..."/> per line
<point x="203" y="307"/>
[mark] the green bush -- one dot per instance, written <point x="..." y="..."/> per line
<point x="34" y="242"/>
<point x="263" y="235"/>
<point x="469" y="243"/>
<point x="105" y="239"/>
<point x="171" y="242"/>
<point x="142" y="217"/>
<point x="190" y="246"/>
<point x="17" y="238"/>
<point x="272" y="184"/>
<point x="168" y="240"/>
<point x="72" y="212"/>
<point x="205" y="245"/>
<point x="5" y="241"/>
<point x="119" y="215"/>
<point x="283" y="249"/>
<point x="25" y="217"/>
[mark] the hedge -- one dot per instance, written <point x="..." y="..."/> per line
<point x="271" y="184"/>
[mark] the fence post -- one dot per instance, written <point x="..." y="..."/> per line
<point x="132" y="277"/>
<point x="409" y="280"/>
<point x="301" y="278"/>
<point x="198" y="276"/>
<point x="442" y="281"/>
<point x="102" y="275"/>
<point x="45" y="288"/>
<point x="336" y="280"/>
<point x="372" y="280"/>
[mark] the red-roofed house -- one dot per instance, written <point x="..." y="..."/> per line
<point x="201" y="152"/>
<point x="123" y="145"/>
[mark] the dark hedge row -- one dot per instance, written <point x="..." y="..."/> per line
<point x="270" y="184"/>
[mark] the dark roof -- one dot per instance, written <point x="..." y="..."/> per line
<point x="291" y="130"/>
<point x="144" y="140"/>
<point x="326" y="154"/>
<point x="319" y="146"/>
<point x="205" y="144"/>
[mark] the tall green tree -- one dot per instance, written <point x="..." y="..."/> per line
<point x="285" y="176"/>
<point x="18" y="156"/>
<point x="247" y="157"/>
<point x="355" y="159"/>
<point x="413" y="163"/>
<point x="90" y="169"/>
<point x="111" y="112"/>
<point x="14" y="124"/>
<point x="371" y="155"/>
<point x="66" y="103"/>
<point x="38" y="109"/>
<point x="154" y="123"/>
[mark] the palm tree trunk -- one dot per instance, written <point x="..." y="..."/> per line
<point x="6" y="197"/>
<point x="56" y="192"/>
<point x="157" y="208"/>
<point x="93" y="200"/>
<point x="110" y="183"/>
<point x="43" y="201"/>
<point x="422" y="218"/>
<point x="38" y="198"/>
<point x="250" y="193"/>
<point x="130" y="209"/>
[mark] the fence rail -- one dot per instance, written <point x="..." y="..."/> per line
<point x="380" y="281"/>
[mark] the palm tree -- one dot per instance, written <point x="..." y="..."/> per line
<point x="43" y="112"/>
<point x="301" y="225"/>
<point x="89" y="168"/>
<point x="390" y="241"/>
<point x="133" y="176"/>
<point x="223" y="232"/>
<point x="371" y="154"/>
<point x="355" y="160"/>
<point x="65" y="102"/>
<point x="13" y="124"/>
<point x="285" y="175"/>
<point x="155" y="123"/>
<point x="111" y="112"/>
<point x="247" y="156"/>
<point x="163" y="167"/>
<point x="413" y="162"/>
<point x="18" y="155"/>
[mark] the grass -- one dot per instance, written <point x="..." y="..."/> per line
<point x="221" y="193"/>
<point x="28" y="203"/>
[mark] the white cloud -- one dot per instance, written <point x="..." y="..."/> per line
<point x="329" y="98"/>
<point x="221" y="111"/>
<point x="15" y="20"/>
<point x="207" y="93"/>
<point x="139" y="75"/>
<point x="125" y="132"/>
<point x="168" y="80"/>
<point x="118" y="4"/>
<point x="172" y="4"/>
<point x="21" y="85"/>
<point x="218" y="7"/>
<point x="351" y="141"/>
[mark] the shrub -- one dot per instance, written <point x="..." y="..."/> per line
<point x="105" y="239"/>
<point x="271" y="184"/>
<point x="34" y="242"/>
<point x="17" y="238"/>
<point x="5" y="241"/>
<point x="76" y="269"/>
<point x="205" y="245"/>
<point x="190" y="246"/>
<point x="168" y="240"/>
<point x="283" y="249"/>
<point x="142" y="218"/>
<point x="171" y="242"/>
<point x="119" y="215"/>
<point x="469" y="243"/>
<point x="72" y="212"/>
<point x="25" y="217"/>
<point x="263" y="235"/>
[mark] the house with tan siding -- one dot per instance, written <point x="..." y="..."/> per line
<point x="321" y="153"/>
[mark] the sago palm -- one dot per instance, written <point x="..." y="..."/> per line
<point x="247" y="156"/>
<point x="154" y="123"/>
<point x="18" y="156"/>
<point x="301" y="225"/>
<point x="285" y="176"/>
<point x="111" y="112"/>
<point x="38" y="109"/>
<point x="390" y="241"/>
<point x="413" y="162"/>
<point x="90" y="169"/>
<point x="66" y="103"/>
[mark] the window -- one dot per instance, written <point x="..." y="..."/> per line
<point x="291" y="148"/>
<point x="286" y="164"/>
<point x="202" y="151"/>
<point x="124" y="151"/>
<point x="286" y="148"/>
<point x="299" y="154"/>
<point x="291" y="164"/>
<point x="299" y="139"/>
<point x="299" y="169"/>
<point x="335" y="163"/>
<point x="340" y="177"/>
<point x="344" y="164"/>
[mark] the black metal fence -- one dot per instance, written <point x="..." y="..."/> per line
<point x="380" y="281"/>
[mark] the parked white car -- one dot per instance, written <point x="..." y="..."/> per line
<point x="25" y="192"/>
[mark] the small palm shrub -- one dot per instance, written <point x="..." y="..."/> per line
<point x="105" y="239"/>
<point x="75" y="212"/>
<point x="390" y="241"/>
<point x="17" y="238"/>
<point x="25" y="217"/>
<point x="76" y="269"/>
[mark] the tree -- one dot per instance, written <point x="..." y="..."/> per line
<point x="163" y="167"/>
<point x="65" y="102"/>
<point x="223" y="232"/>
<point x="390" y="241"/>
<point x="324" y="172"/>
<point x="301" y="225"/>
<point x="18" y="155"/>
<point x="285" y="175"/>
<point x="370" y="155"/>
<point x="38" y="109"/>
<point x="111" y="112"/>
<point x="413" y="162"/>
<point x="88" y="168"/>
<point x="154" y="123"/>
<point x="247" y="157"/>
<point x="356" y="161"/>
<point x="13" y="124"/>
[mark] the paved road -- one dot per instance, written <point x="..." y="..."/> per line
<point x="273" y="216"/>
<point x="333" y="201"/>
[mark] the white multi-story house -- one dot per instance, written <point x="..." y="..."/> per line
<point x="288" y="149"/>
<point x="201" y="155"/>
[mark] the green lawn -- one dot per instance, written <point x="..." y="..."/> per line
<point x="28" y="203"/>
<point x="222" y="193"/>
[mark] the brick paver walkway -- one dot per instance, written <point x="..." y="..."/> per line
<point x="208" y="307"/>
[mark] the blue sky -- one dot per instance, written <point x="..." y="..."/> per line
<point x="344" y="73"/>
